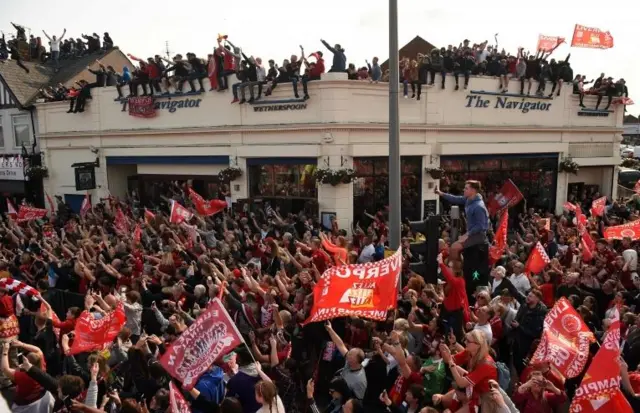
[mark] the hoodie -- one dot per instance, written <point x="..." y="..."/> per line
<point x="126" y="74"/>
<point x="339" y="58"/>
<point x="211" y="386"/>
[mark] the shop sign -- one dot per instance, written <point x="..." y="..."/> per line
<point x="170" y="105"/>
<point x="279" y="107"/>
<point x="508" y="103"/>
<point x="12" y="168"/>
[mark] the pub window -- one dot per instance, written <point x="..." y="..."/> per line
<point x="21" y="130"/>
<point x="1" y="134"/>
<point x="371" y="188"/>
<point x="282" y="181"/>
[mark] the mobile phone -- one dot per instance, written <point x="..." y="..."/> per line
<point x="20" y="358"/>
<point x="68" y="402"/>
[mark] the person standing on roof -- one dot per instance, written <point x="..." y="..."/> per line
<point x="54" y="43"/>
<point x="339" y="59"/>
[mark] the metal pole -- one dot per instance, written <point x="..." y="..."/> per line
<point x="394" y="129"/>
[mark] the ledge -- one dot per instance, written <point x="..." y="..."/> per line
<point x="511" y="95"/>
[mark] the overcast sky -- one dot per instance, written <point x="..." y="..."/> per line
<point x="272" y="29"/>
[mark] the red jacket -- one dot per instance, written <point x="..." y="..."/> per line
<point x="318" y="69"/>
<point x="455" y="292"/>
<point x="153" y="71"/>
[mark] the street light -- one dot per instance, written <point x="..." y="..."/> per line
<point x="394" y="129"/>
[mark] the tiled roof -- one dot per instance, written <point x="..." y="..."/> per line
<point x="411" y="50"/>
<point x="24" y="86"/>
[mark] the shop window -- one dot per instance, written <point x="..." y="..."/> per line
<point x="371" y="188"/>
<point x="21" y="130"/>
<point x="282" y="181"/>
<point x="1" y="134"/>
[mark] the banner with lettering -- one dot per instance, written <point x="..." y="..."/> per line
<point x="508" y="196"/>
<point x="630" y="230"/>
<point x="26" y="213"/>
<point x="177" y="401"/>
<point x="565" y="340"/>
<point x="94" y="335"/>
<point x="599" y="391"/>
<point x="548" y="43"/>
<point x="591" y="37"/>
<point x="210" y="337"/>
<point x="358" y="290"/>
<point x="142" y="107"/>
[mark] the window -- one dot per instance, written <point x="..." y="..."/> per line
<point x="1" y="134"/>
<point x="21" y="130"/>
<point x="371" y="188"/>
<point x="282" y="181"/>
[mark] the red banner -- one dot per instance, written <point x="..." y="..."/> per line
<point x="358" y="290"/>
<point x="508" y="196"/>
<point x="537" y="261"/>
<point x="548" y="43"/>
<point x="565" y="340"/>
<point x="178" y="403"/>
<point x="597" y="206"/>
<point x="599" y="390"/>
<point x="211" y="336"/>
<point x="120" y="223"/>
<point x="179" y="214"/>
<point x="591" y="37"/>
<point x="630" y="230"/>
<point x="95" y="335"/>
<point x="142" y="107"/>
<point x="26" y="213"/>
<point x="206" y="208"/>
<point x="500" y="241"/>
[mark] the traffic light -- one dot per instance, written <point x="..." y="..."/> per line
<point x="426" y="251"/>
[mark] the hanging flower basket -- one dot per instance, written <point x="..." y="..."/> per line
<point x="230" y="174"/>
<point x="630" y="163"/>
<point x="436" y="173"/>
<point x="568" y="165"/>
<point x="335" y="177"/>
<point x="37" y="172"/>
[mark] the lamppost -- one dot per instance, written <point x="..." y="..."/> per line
<point x="394" y="130"/>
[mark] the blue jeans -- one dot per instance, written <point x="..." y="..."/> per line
<point x="235" y="87"/>
<point x="55" y="57"/>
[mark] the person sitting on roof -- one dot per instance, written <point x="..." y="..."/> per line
<point x="107" y="43"/>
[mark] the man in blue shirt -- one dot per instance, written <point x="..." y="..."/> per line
<point x="474" y="242"/>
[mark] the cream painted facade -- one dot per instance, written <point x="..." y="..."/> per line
<point x="343" y="120"/>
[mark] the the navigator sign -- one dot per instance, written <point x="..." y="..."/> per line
<point x="171" y="105"/>
<point x="508" y="103"/>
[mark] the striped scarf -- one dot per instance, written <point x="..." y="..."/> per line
<point x="15" y="286"/>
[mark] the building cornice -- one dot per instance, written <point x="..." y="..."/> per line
<point x="328" y="127"/>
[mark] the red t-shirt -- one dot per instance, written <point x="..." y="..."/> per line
<point x="478" y="377"/>
<point x="65" y="326"/>
<point x="27" y="389"/>
<point x="547" y="295"/>
<point x="400" y="387"/>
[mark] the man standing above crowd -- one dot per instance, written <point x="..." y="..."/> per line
<point x="54" y="43"/>
<point x="339" y="58"/>
<point x="474" y="242"/>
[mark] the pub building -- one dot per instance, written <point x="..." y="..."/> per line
<point x="279" y="151"/>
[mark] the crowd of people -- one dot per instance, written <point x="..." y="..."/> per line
<point x="20" y="48"/>
<point x="441" y="349"/>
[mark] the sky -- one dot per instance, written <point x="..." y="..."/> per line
<point x="274" y="30"/>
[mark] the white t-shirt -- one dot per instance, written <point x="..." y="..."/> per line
<point x="521" y="282"/>
<point x="367" y="254"/>
<point x="55" y="45"/>
<point x="276" y="407"/>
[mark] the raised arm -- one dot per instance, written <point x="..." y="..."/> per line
<point x="63" y="33"/>
<point x="336" y="339"/>
<point x="45" y="33"/>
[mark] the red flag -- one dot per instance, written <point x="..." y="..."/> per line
<point x="148" y="216"/>
<point x="11" y="209"/>
<point x="362" y="290"/>
<point x="508" y="196"/>
<point x="597" y="206"/>
<point x="120" y="223"/>
<point x="587" y="247"/>
<point x="569" y="207"/>
<point x="622" y="100"/>
<point x="95" y="335"/>
<point x="599" y="390"/>
<point x="86" y="205"/>
<point x="206" y="208"/>
<point x="137" y="234"/>
<point x="142" y="106"/>
<point x="500" y="240"/>
<point x="537" y="261"/>
<point x="210" y="337"/>
<point x="565" y="340"/>
<point x="26" y="213"/>
<point x="179" y="213"/>
<point x="591" y="37"/>
<point x="178" y="403"/>
<point x="52" y="206"/>
<point x="549" y="43"/>
<point x="630" y="230"/>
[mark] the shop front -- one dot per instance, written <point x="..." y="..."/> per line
<point x="288" y="184"/>
<point x="534" y="174"/>
<point x="12" y="180"/>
